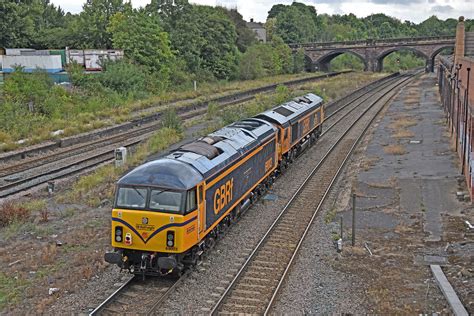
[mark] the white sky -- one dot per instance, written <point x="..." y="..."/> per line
<point x="412" y="10"/>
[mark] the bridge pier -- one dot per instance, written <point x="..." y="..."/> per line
<point x="372" y="65"/>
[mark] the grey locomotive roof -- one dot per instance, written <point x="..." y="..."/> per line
<point x="165" y="173"/>
<point x="290" y="111"/>
<point x="184" y="168"/>
<point x="231" y="142"/>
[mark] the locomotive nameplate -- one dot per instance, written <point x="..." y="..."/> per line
<point x="145" y="227"/>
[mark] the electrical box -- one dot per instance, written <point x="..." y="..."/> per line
<point x="120" y="156"/>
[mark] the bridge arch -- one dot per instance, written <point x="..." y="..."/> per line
<point x="379" y="59"/>
<point x="435" y="53"/>
<point x="308" y="63"/>
<point x="324" y="61"/>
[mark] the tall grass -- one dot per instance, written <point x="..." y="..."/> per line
<point x="32" y="107"/>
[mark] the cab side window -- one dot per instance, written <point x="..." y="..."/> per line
<point x="191" y="201"/>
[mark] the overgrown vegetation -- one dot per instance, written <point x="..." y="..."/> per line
<point x="11" y="213"/>
<point x="168" y="45"/>
<point x="11" y="289"/>
<point x="32" y="107"/>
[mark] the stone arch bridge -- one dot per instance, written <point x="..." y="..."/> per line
<point x="372" y="52"/>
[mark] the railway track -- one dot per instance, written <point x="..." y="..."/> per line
<point x="149" y="295"/>
<point x="255" y="286"/>
<point x="121" y="301"/>
<point x="63" y="162"/>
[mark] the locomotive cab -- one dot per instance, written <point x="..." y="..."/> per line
<point x="153" y="225"/>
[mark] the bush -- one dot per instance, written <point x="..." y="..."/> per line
<point x="124" y="78"/>
<point x="11" y="212"/>
<point x="171" y="120"/>
<point x="212" y="111"/>
<point x="28" y="90"/>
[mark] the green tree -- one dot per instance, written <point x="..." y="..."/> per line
<point x="431" y="27"/>
<point x="205" y="38"/>
<point x="282" y="57"/>
<point x="245" y="36"/>
<point x="251" y="63"/>
<point x="90" y="28"/>
<point x="16" y="25"/>
<point x="299" y="60"/>
<point x="270" y="27"/>
<point x="276" y="10"/>
<point x="169" y="11"/>
<point x="142" y="39"/>
<point x="294" y="25"/>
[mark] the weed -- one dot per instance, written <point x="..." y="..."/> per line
<point x="402" y="122"/>
<point x="16" y="228"/>
<point x="335" y="236"/>
<point x="404" y="133"/>
<point x="11" y="289"/>
<point x="368" y="163"/>
<point x="212" y="110"/>
<point x="48" y="254"/>
<point x="11" y="212"/>
<point x="230" y="115"/>
<point x="395" y="149"/>
<point x="171" y="120"/>
<point x="69" y="212"/>
<point x="44" y="215"/>
<point x="330" y="215"/>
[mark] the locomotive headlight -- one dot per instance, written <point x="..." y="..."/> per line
<point x="170" y="238"/>
<point x="118" y="233"/>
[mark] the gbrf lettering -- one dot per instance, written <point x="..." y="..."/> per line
<point x="223" y="195"/>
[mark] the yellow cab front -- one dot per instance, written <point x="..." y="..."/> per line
<point x="152" y="228"/>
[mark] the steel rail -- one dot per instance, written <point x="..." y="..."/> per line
<point x="232" y="284"/>
<point x="165" y="295"/>
<point x="124" y="287"/>
<point x="5" y="190"/>
<point x="348" y="156"/>
<point x="234" y="98"/>
<point x="102" y="305"/>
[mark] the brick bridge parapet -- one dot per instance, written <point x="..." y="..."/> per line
<point x="372" y="52"/>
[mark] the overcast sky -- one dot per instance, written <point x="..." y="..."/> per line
<point x="412" y="10"/>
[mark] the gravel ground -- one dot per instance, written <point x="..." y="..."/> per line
<point x="398" y="229"/>
<point x="222" y="263"/>
<point x="202" y="289"/>
<point x="88" y="280"/>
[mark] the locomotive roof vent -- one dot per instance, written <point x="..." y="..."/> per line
<point x="177" y="154"/>
<point x="211" y="140"/>
<point x="203" y="148"/>
<point x="302" y="99"/>
<point x="283" y="111"/>
<point x="248" y="125"/>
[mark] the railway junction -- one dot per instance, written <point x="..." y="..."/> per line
<point x="392" y="146"/>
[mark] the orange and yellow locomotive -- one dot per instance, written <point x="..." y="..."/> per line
<point x="167" y="212"/>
